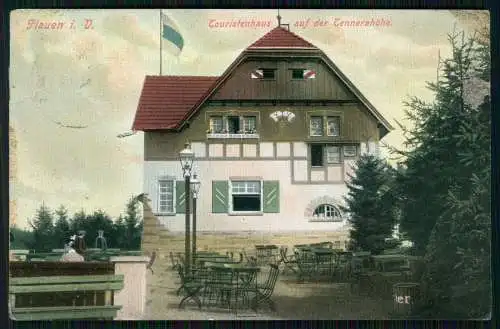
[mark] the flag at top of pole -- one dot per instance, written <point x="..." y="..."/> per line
<point x="172" y="38"/>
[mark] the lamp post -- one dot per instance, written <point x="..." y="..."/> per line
<point x="186" y="157"/>
<point x="195" y="186"/>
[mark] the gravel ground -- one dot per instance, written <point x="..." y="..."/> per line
<point x="311" y="301"/>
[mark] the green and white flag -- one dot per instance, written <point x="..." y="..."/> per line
<point x="172" y="39"/>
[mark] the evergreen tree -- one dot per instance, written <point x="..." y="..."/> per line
<point x="432" y="163"/>
<point x="23" y="239"/>
<point x="78" y="222"/>
<point x="119" y="238"/>
<point x="368" y="203"/>
<point x="62" y="229"/>
<point x="99" y="220"/>
<point x="132" y="223"/>
<point x="457" y="280"/>
<point x="43" y="230"/>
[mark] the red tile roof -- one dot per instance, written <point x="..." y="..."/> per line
<point x="165" y="100"/>
<point x="168" y="100"/>
<point x="280" y="37"/>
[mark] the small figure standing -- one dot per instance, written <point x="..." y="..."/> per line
<point x="80" y="245"/>
<point x="71" y="255"/>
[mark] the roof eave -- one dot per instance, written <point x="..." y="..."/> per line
<point x="357" y="93"/>
<point x="134" y="127"/>
<point x="223" y="77"/>
<point x="284" y="48"/>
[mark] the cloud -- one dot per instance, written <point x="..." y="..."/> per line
<point x="94" y="77"/>
<point x="405" y="56"/>
<point x="128" y="28"/>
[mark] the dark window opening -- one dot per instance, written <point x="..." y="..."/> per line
<point x="233" y="124"/>
<point x="298" y="74"/>
<point x="246" y="202"/>
<point x="268" y="73"/>
<point x="317" y="155"/>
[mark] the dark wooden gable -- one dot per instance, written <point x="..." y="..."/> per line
<point x="325" y="86"/>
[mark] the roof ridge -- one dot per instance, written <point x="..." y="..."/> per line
<point x="280" y="37"/>
<point x="183" y="76"/>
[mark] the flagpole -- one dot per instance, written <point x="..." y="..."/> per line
<point x="161" y="41"/>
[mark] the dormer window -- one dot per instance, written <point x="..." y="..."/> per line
<point x="263" y="73"/>
<point x="298" y="74"/>
<point x="268" y="73"/>
<point x="303" y="74"/>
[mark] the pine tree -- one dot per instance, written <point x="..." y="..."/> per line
<point x="98" y="220"/>
<point x="457" y="280"/>
<point x="132" y="223"/>
<point x="23" y="239"/>
<point x="43" y="230"/>
<point x="77" y="223"/>
<point x="432" y="163"/>
<point x="61" y="228"/>
<point x="368" y="203"/>
<point x="119" y="238"/>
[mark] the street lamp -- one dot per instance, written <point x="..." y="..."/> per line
<point x="186" y="156"/>
<point x="195" y="186"/>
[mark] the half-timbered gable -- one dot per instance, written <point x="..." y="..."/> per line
<point x="275" y="138"/>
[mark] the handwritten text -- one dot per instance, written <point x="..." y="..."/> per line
<point x="36" y="24"/>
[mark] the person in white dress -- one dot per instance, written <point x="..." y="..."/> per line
<point x="71" y="255"/>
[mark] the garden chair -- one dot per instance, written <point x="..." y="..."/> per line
<point x="219" y="286"/>
<point x="250" y="260"/>
<point x="359" y="276"/>
<point x="240" y="260"/>
<point x="173" y="260"/>
<point x="289" y="262"/>
<point x="265" y="291"/>
<point x="306" y="265"/>
<point x="190" y="286"/>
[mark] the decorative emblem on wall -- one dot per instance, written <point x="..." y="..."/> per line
<point x="282" y="117"/>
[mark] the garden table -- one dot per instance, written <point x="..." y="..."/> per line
<point x="229" y="282"/>
<point x="389" y="261"/>
<point x="325" y="260"/>
<point x="266" y="253"/>
<point x="201" y="261"/>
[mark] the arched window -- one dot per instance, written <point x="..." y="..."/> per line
<point x="327" y="213"/>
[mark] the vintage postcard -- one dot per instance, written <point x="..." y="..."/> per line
<point x="249" y="164"/>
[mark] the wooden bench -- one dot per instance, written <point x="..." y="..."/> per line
<point x="93" y="286"/>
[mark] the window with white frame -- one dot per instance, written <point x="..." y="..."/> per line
<point x="246" y="196"/>
<point x="327" y="212"/>
<point x="216" y="125"/>
<point x="249" y="124"/>
<point x="233" y="124"/>
<point x="166" y="196"/>
<point x="333" y="154"/>
<point x="316" y="126"/>
<point x="350" y="151"/>
<point x="333" y="126"/>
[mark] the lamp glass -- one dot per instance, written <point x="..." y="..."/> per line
<point x="195" y="185"/>
<point x="186" y="157"/>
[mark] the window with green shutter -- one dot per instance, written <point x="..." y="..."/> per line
<point x="271" y="196"/>
<point x="220" y="197"/>
<point x="180" y="197"/>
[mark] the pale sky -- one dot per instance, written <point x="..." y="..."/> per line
<point x="93" y="77"/>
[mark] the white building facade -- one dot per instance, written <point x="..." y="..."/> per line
<point x="269" y="193"/>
